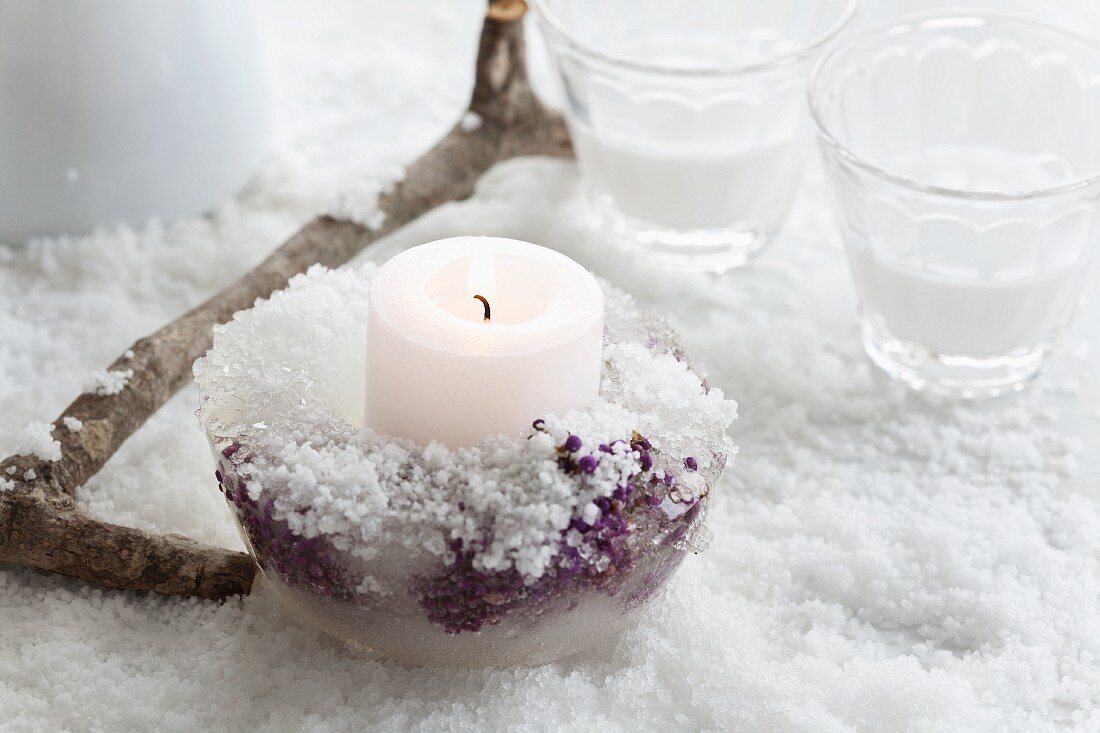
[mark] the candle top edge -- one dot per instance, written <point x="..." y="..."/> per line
<point x="571" y="300"/>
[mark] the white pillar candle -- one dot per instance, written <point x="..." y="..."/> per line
<point x="439" y="369"/>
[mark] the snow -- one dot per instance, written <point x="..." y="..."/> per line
<point x="470" y="122"/>
<point x="73" y="424"/>
<point x="107" y="381"/>
<point x="358" y="201"/>
<point x="881" y="561"/>
<point x="36" y="440"/>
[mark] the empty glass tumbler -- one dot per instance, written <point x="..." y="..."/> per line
<point x="964" y="155"/>
<point x="688" y="118"/>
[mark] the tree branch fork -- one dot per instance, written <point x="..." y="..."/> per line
<point x="41" y="525"/>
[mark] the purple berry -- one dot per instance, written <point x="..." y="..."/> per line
<point x="588" y="464"/>
<point x="691" y="464"/>
<point x="646" y="461"/>
<point x="573" y="443"/>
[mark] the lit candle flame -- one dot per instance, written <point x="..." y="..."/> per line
<point x="482" y="281"/>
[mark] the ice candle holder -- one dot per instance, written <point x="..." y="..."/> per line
<point x="688" y="119"/>
<point x="522" y="549"/>
<point x="965" y="162"/>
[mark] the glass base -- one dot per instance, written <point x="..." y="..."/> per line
<point x="952" y="375"/>
<point x="682" y="250"/>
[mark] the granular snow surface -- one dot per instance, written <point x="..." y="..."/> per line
<point x="880" y="561"/>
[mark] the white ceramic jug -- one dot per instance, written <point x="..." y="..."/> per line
<point x="118" y="110"/>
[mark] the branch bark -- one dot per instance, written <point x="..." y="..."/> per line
<point x="40" y="524"/>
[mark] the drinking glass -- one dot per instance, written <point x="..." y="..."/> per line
<point x="964" y="157"/>
<point x="688" y="118"/>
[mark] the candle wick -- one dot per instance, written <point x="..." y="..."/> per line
<point x="485" y="303"/>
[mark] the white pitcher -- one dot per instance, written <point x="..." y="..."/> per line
<point x="119" y="110"/>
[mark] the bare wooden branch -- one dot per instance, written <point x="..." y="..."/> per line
<point x="51" y="535"/>
<point x="40" y="525"/>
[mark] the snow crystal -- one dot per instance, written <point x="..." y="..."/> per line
<point x="73" y="424"/>
<point x="29" y="475"/>
<point x="107" y="382"/>
<point x="36" y="440"/>
<point x="6" y="484"/>
<point x="360" y="201"/>
<point x="470" y="122"/>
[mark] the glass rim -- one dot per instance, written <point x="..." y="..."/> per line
<point x="558" y="27"/>
<point x="904" y="24"/>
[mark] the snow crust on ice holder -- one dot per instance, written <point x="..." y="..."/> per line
<point x="521" y="550"/>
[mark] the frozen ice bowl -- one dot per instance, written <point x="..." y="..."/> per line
<point x="522" y="550"/>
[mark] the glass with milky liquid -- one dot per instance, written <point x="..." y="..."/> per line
<point x="964" y="157"/>
<point x="688" y="118"/>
